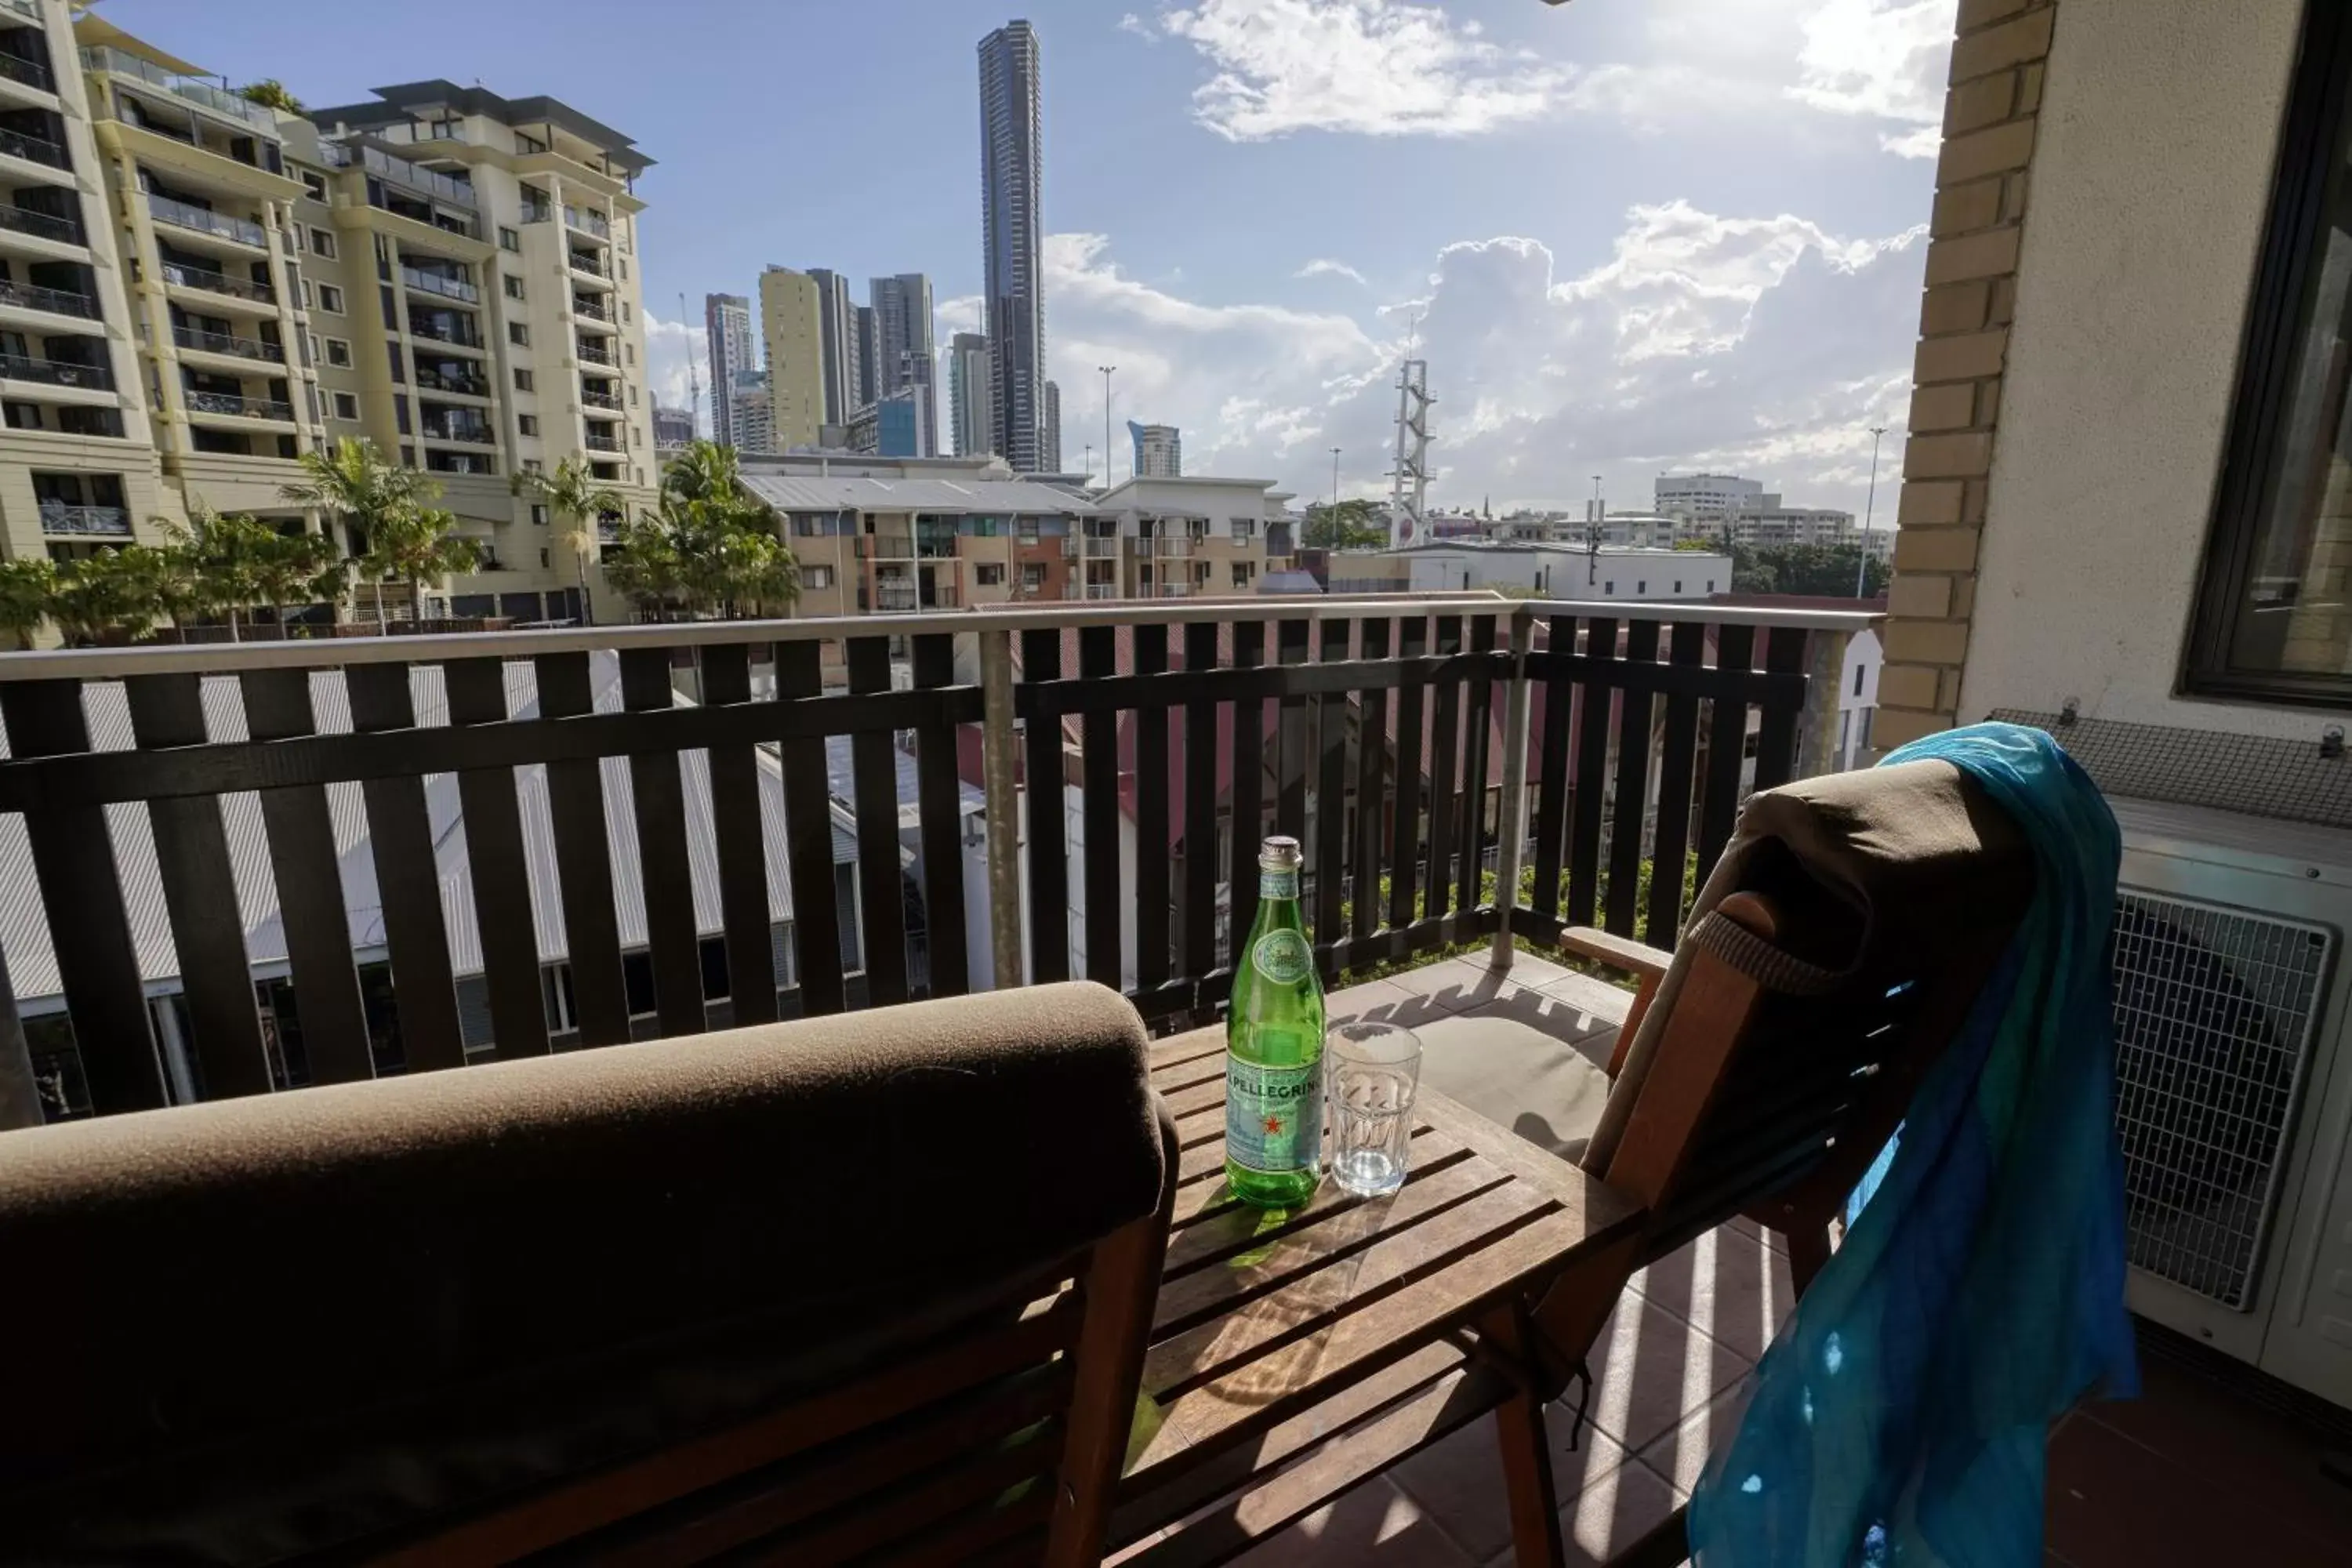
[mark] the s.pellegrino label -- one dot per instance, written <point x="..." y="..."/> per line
<point x="1274" y="1047"/>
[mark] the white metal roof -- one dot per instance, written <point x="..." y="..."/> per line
<point x="1001" y="498"/>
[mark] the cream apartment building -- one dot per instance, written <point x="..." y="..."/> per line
<point x="792" y="328"/>
<point x="1169" y="537"/>
<point x="199" y="290"/>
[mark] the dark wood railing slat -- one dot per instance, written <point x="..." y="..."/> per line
<point x="1776" y="735"/>
<point x="1445" y="776"/>
<point x="73" y="859"/>
<point x="1328" y="858"/>
<point x="1152" y="845"/>
<point x="1629" y="807"/>
<point x="1100" y="816"/>
<point x="741" y="844"/>
<point x="808" y="835"/>
<point x="501" y="876"/>
<point x="1404" y="852"/>
<point x="1585" y="807"/>
<point x="1248" y="786"/>
<point x="1477" y="702"/>
<point x="1199" y="957"/>
<point x="1290" y="641"/>
<point x="665" y="870"/>
<point x="303" y="864"/>
<point x="938" y="797"/>
<point x="881" y="903"/>
<point x="1726" y="742"/>
<point x="584" y="854"/>
<point x="1049" y="867"/>
<point x="1686" y="646"/>
<point x="1551" y="782"/>
<point x="1371" y="775"/>
<point x="408" y="880"/>
<point x="200" y="896"/>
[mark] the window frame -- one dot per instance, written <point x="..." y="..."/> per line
<point x="2270" y="350"/>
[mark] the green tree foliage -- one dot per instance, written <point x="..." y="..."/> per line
<point x="271" y="93"/>
<point x="26" y="586"/>
<point x="351" y="481"/>
<point x="1824" y="570"/>
<point x="416" y="545"/>
<point x="708" y="548"/>
<point x="1352" y="524"/>
<point x="575" y="498"/>
<point x="117" y="594"/>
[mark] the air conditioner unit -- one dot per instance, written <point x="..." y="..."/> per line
<point x="2234" y="1084"/>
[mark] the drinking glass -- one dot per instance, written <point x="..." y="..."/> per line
<point x="1370" y="1071"/>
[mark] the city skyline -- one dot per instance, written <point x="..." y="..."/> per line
<point x="1012" y="199"/>
<point x="1708" y="209"/>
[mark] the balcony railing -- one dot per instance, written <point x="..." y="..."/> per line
<point x="219" y="283"/>
<point x="98" y="57"/>
<point x="33" y="149"/>
<point x="401" y="172"/>
<point x="592" y="310"/>
<point x="599" y="400"/>
<point x="32" y="73"/>
<point x="580" y="262"/>
<point x="594" y="353"/>
<point x="57" y="301"/>
<point x="243" y="408"/>
<point x="204" y="221"/>
<point x="596" y="443"/>
<point x="440" y="283"/>
<point x="44" y="225"/>
<point x="478" y="435"/>
<point x="458" y="337"/>
<point x="1396" y="739"/>
<point x="55" y="373"/>
<point x="587" y="222"/>
<point x="223" y="344"/>
<point x="464" y="385"/>
<point x="108" y="522"/>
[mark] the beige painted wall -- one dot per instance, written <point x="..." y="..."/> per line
<point x="2151" y="183"/>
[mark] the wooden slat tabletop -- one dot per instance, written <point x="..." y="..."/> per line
<point x="1280" y="1326"/>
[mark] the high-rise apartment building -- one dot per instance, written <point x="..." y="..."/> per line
<point x="902" y="328"/>
<point x="791" y="326"/>
<point x="726" y="319"/>
<point x="1049" y="434"/>
<point x="218" y="287"/>
<point x="869" y="355"/>
<point x="755" y="423"/>
<point x="1010" y="175"/>
<point x="967" y="421"/>
<point x="838" y="319"/>
<point x="1159" y="451"/>
<point x="672" y="427"/>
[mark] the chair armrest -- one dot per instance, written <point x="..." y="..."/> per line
<point x="1616" y="951"/>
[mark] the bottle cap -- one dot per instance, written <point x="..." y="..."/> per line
<point x="1280" y="853"/>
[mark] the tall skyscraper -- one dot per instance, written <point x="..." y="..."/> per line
<point x="793" y="331"/>
<point x="1159" y="451"/>
<point x="1012" y="169"/>
<point x="869" y="356"/>
<point x="838" y="319"/>
<point x="967" y="420"/>
<point x="902" y="330"/>
<point x="1049" y="434"/>
<point x="726" y="317"/>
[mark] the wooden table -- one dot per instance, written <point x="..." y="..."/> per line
<point x="1293" y="1355"/>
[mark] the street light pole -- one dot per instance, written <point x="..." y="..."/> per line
<point x="1090" y="460"/>
<point x="1870" y="505"/>
<point x="1335" y="477"/>
<point x="1106" y="370"/>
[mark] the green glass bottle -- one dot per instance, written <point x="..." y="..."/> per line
<point x="1274" y="1047"/>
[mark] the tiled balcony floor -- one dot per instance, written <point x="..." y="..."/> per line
<point x="2192" y="1474"/>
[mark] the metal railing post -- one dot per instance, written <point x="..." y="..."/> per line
<point x="998" y="748"/>
<point x="1511" y="826"/>
<point x="1817" y="724"/>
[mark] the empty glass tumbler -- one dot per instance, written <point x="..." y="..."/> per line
<point x="1370" y="1072"/>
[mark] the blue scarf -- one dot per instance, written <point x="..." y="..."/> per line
<point x="1900" y="1416"/>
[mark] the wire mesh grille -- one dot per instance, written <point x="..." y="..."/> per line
<point x="2215" y="1013"/>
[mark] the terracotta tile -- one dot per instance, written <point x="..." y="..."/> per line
<point x="1375" y="1523"/>
<point x="1723" y="1283"/>
<point x="2113" y="1503"/>
<point x="1458" y="1482"/>
<point x="1682" y="1454"/>
<point x="1650" y="1369"/>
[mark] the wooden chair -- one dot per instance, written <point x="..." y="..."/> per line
<point x="804" y="1293"/>
<point x="1831" y="956"/>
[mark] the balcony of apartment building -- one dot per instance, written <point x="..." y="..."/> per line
<point x="28" y="78"/>
<point x="1092" y="539"/>
<point x="450" y="377"/>
<point x="599" y="392"/>
<point x="589" y="267"/>
<point x="213" y="342"/>
<point x="456" y="460"/>
<point x="438" y="280"/>
<point x="596" y="314"/>
<point x="454" y="422"/>
<point x="451" y="329"/>
<point x="587" y="221"/>
<point x="198" y="282"/>
<point x="168" y="112"/>
<point x="41" y="222"/>
<point x="603" y="435"/>
<point x="230" y="238"/>
<point x="235" y="405"/>
<point x="33" y="147"/>
<point x="408" y="190"/>
<point x="1097" y="579"/>
<point x="55" y="368"/>
<point x="42" y="296"/>
<point x="80" y="506"/>
<point x="594" y="350"/>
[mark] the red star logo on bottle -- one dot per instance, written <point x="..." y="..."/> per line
<point x="1274" y="1126"/>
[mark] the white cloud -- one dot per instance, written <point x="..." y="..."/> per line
<point x="1763" y="344"/>
<point x="1131" y="23"/>
<point x="1376" y="68"/>
<point x="670" y="348"/>
<point x="1323" y="266"/>
<point x="1882" y="59"/>
<point x="963" y="313"/>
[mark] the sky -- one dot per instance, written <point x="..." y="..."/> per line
<point x="1628" y="235"/>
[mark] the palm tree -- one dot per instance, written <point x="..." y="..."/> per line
<point x="26" y="586"/>
<point x="351" y="481"/>
<point x="298" y="569"/>
<point x="415" y="544"/>
<point x="573" y="498"/>
<point x="703" y="470"/>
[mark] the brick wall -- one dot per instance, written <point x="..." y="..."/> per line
<point x="1997" y="57"/>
